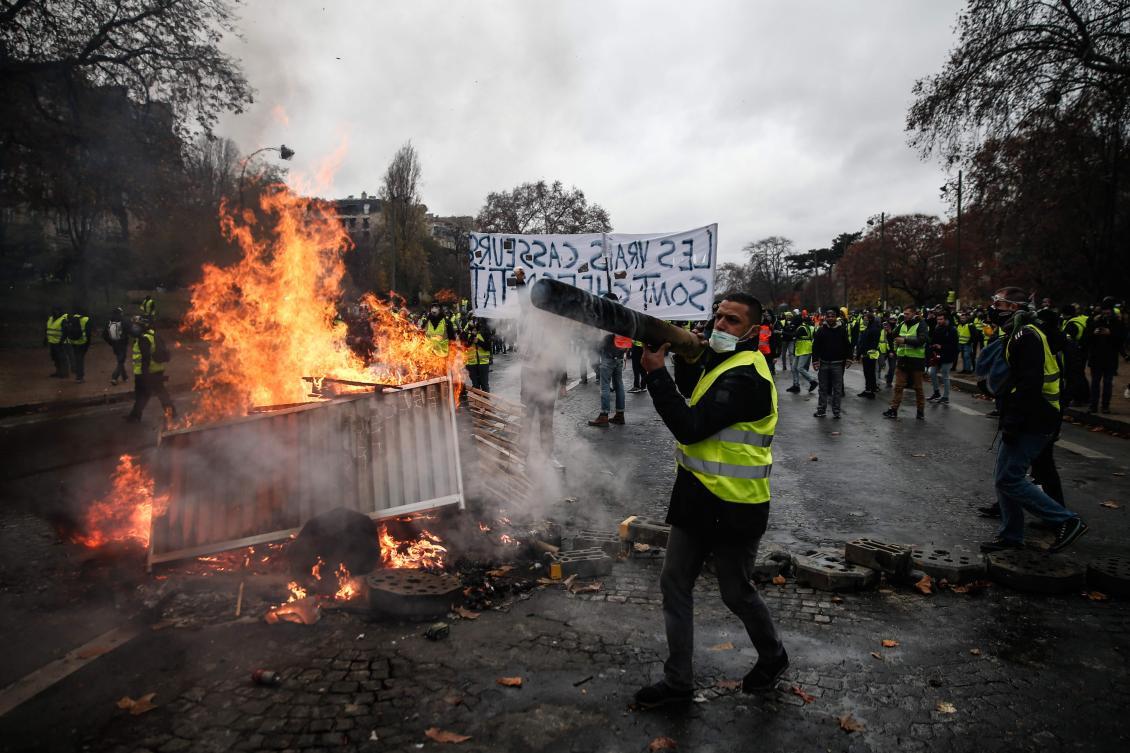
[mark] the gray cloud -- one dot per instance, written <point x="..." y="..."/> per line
<point x="769" y="118"/>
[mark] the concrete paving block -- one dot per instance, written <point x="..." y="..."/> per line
<point x="584" y="563"/>
<point x="1110" y="575"/>
<point x="1036" y="572"/>
<point x="772" y="560"/>
<point x="893" y="559"/>
<point x="609" y="543"/>
<point x="640" y="530"/>
<point x="828" y="571"/>
<point x="954" y="564"/>
<point x="411" y="594"/>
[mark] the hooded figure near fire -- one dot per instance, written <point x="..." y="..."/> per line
<point x="720" y="500"/>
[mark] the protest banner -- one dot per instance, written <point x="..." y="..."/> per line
<point x="668" y="275"/>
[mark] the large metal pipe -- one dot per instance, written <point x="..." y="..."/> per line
<point x="610" y="316"/>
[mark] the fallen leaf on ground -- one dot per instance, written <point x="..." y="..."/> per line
<point x="848" y="723"/>
<point x="945" y="707"/>
<point x="971" y="586"/>
<point x="547" y="582"/>
<point x="510" y="682"/>
<point x="728" y="684"/>
<point x="466" y="614"/>
<point x="443" y="736"/>
<point x="453" y="699"/>
<point x="834" y="434"/>
<point x="798" y="691"/>
<point x="1118" y="473"/>
<point x="837" y="600"/>
<point x="1110" y="504"/>
<point x="662" y="743"/>
<point x="926" y="585"/>
<point x="727" y="646"/>
<point x="813" y="457"/>
<point x="499" y="572"/>
<point x="888" y="643"/>
<point x="778" y="580"/>
<point x="975" y="651"/>
<point x="302" y="611"/>
<point x="569" y="581"/>
<point x="877" y="655"/>
<point x="641" y="547"/>
<point x="139" y="705"/>
<point x="1096" y="596"/>
<point x="588" y="588"/>
<point x="918" y="455"/>
<point x="1095" y="429"/>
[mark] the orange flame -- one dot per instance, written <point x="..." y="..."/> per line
<point x="296" y="591"/>
<point x="424" y="552"/>
<point x="347" y="584"/>
<point x="316" y="570"/>
<point x="269" y="319"/>
<point x="126" y="512"/>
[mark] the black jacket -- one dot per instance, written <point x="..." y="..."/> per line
<point x="944" y="341"/>
<point x="741" y="394"/>
<point x="869" y="338"/>
<point x="831" y="344"/>
<point x="1022" y="405"/>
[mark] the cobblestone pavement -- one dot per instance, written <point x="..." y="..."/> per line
<point x="991" y="670"/>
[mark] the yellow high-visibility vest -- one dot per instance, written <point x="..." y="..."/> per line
<point x="81" y="339"/>
<point x="803" y="345"/>
<point x="438" y="335"/>
<point x="734" y="464"/>
<point x="1050" y="390"/>
<point x="905" y="351"/>
<point x="55" y="329"/>
<point x="155" y="366"/>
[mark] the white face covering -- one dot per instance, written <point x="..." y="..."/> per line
<point x="724" y="342"/>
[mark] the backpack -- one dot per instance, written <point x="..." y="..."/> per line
<point x="160" y="349"/>
<point x="992" y="366"/>
<point x="114" y="331"/>
<point x="72" y="328"/>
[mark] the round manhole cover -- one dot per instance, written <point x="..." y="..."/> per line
<point x="1026" y="570"/>
<point x="1111" y="575"/>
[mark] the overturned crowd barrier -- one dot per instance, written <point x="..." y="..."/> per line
<point x="258" y="478"/>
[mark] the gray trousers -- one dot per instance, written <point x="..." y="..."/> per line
<point x="733" y="564"/>
<point x="831" y="385"/>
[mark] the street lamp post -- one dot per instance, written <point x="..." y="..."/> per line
<point x="957" y="249"/>
<point x="284" y="152"/>
<point x="882" y="258"/>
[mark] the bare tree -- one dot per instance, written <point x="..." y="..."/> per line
<point x="771" y="275"/>
<point x="542" y="208"/>
<point x="212" y="167"/>
<point x="403" y="216"/>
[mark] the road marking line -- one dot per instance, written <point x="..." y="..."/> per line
<point x="1079" y="449"/>
<point x="35" y="683"/>
<point x="966" y="411"/>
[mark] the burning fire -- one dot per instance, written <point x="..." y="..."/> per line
<point x="296" y="591"/>
<point x="268" y="320"/>
<point x="347" y="586"/>
<point x="424" y="552"/>
<point x="126" y="512"/>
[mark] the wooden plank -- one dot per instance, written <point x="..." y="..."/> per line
<point x="493" y="399"/>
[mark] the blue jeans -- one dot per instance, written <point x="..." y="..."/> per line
<point x="800" y="369"/>
<point x="967" y="361"/>
<point x="1015" y="492"/>
<point x="611" y="377"/>
<point x="944" y="370"/>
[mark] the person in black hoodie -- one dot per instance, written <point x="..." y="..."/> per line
<point x="1103" y="337"/>
<point x="867" y="351"/>
<point x="943" y="342"/>
<point x="831" y="353"/>
<point x="1029" y="420"/>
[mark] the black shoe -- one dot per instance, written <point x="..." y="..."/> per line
<point x="935" y="396"/>
<point x="1106" y="411"/>
<point x="1068" y="532"/>
<point x="944" y="401"/>
<point x="836" y="416"/>
<point x="813" y="385"/>
<point x="661" y="694"/>
<point x="993" y="414"/>
<point x="764" y="675"/>
<point x="992" y="511"/>
<point x="794" y="389"/>
<point x="890" y="413"/>
<point x="865" y="393"/>
<point x="920" y="415"/>
<point x="819" y="414"/>
<point x="870" y="395"/>
<point x="999" y="545"/>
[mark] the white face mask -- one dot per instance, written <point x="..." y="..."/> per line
<point x="724" y="342"/>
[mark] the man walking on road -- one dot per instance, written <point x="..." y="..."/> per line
<point x="117" y="338"/>
<point x="720" y="500"/>
<point x="148" y="371"/>
<point x="1029" y="420"/>
<point x="802" y="356"/>
<point x="831" y="352"/>
<point x="910" y="348"/>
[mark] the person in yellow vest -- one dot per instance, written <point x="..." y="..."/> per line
<point x="965" y="343"/>
<point x="439" y="330"/>
<point x="477" y="356"/>
<point x="1075" y="361"/>
<point x="149" y="364"/>
<point x="56" y="343"/>
<point x="149" y="308"/>
<point x="802" y="355"/>
<point x="76" y="330"/>
<point x="911" y="339"/>
<point x="720" y="500"/>
<point x="1029" y="405"/>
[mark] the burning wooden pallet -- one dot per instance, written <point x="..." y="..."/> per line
<point x="260" y="477"/>
<point x="499" y="445"/>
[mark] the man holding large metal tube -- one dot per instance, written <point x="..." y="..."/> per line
<point x="720" y="501"/>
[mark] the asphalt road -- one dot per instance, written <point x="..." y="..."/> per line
<point x="1049" y="672"/>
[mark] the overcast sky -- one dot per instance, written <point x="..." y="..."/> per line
<point x="769" y="118"/>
